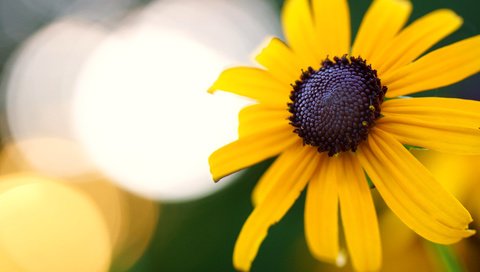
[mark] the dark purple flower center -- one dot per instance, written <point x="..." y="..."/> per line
<point x="333" y="108"/>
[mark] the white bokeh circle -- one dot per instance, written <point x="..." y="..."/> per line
<point x="144" y="116"/>
<point x="142" y="110"/>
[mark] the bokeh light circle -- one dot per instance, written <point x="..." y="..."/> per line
<point x="142" y="110"/>
<point x="48" y="226"/>
<point x="145" y="118"/>
<point x="131" y="220"/>
<point x="39" y="87"/>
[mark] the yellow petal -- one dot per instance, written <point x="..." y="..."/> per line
<point x="259" y="117"/>
<point x="321" y="211"/>
<point x="411" y="192"/>
<point x="417" y="38"/>
<point x="381" y="23"/>
<point x="274" y="173"/>
<point x="439" y="68"/>
<point x="280" y="60"/>
<point x="446" y="110"/>
<point x="332" y="24"/>
<point x="277" y="202"/>
<point x="249" y="150"/>
<point x="298" y="28"/>
<point x="254" y="83"/>
<point x="433" y="133"/>
<point x="358" y="216"/>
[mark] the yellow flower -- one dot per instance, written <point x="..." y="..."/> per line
<point x="321" y="110"/>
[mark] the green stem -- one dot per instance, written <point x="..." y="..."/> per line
<point x="447" y="257"/>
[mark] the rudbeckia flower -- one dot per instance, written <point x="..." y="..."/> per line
<point x="333" y="113"/>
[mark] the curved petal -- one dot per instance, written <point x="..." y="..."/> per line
<point x="280" y="60"/>
<point x="332" y="24"/>
<point x="439" y="68"/>
<point x="259" y="117"/>
<point x="358" y="216"/>
<point x="433" y="132"/>
<point x="277" y="202"/>
<point x="381" y="23"/>
<point x="248" y="151"/>
<point x="254" y="83"/>
<point x="298" y="28"/>
<point x="411" y="192"/>
<point x="274" y="173"/>
<point x="417" y="38"/>
<point x="436" y="109"/>
<point x="321" y="211"/>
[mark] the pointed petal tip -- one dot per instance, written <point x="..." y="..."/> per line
<point x="216" y="178"/>
<point x="469" y="216"/>
<point x="470" y="232"/>
<point x="456" y="16"/>
<point x="217" y="175"/>
<point x="263" y="46"/>
<point x="446" y="14"/>
<point x="462" y="235"/>
<point x="331" y="258"/>
<point x="212" y="88"/>
<point x="453" y="14"/>
<point x="241" y="267"/>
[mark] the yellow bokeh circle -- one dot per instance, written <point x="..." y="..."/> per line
<point x="47" y="226"/>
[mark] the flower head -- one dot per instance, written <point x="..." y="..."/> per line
<point x="332" y="111"/>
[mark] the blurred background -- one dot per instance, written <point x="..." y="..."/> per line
<point x="106" y="128"/>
